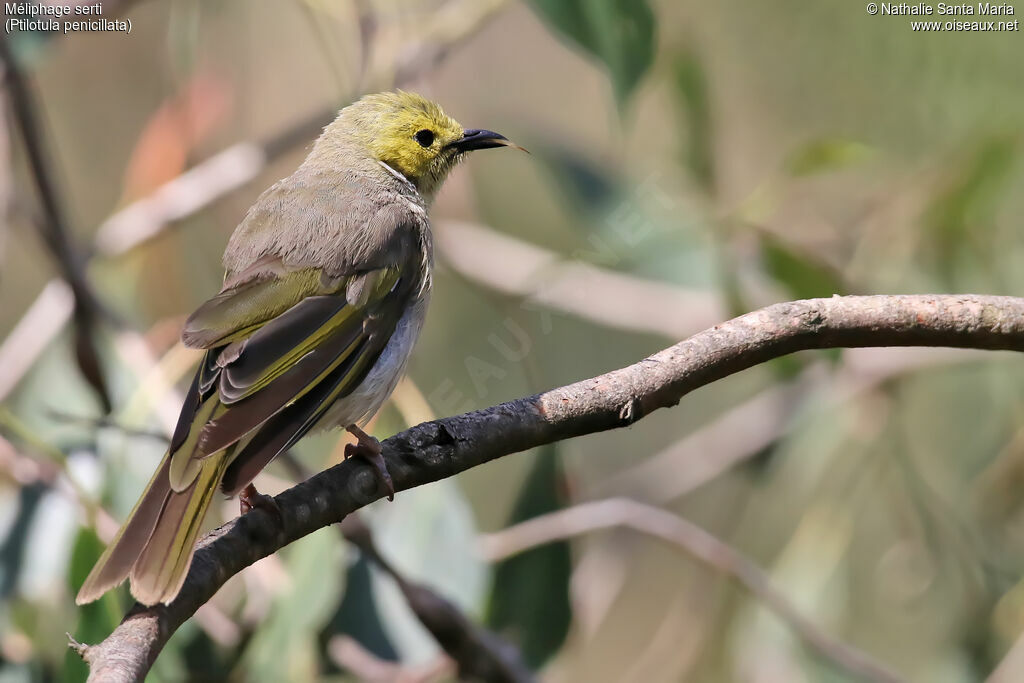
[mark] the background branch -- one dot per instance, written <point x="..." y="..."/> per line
<point x="54" y="226"/>
<point x="604" y="296"/>
<point x="442" y="448"/>
<point x="748" y="428"/>
<point x="186" y="195"/>
<point x="616" y="512"/>
<point x="478" y="654"/>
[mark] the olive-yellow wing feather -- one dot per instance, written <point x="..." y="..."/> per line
<point x="280" y="349"/>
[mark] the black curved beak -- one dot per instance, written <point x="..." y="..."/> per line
<point x="475" y="139"/>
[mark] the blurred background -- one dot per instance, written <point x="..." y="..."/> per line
<point x="690" y="161"/>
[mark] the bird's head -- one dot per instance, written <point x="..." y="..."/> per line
<point x="413" y="136"/>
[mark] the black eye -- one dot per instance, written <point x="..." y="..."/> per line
<point x="424" y="137"/>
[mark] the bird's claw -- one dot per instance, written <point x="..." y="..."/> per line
<point x="249" y="499"/>
<point x="368" y="448"/>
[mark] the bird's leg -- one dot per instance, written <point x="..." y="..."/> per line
<point x="368" y="448"/>
<point x="249" y="498"/>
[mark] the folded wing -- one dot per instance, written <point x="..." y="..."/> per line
<point x="266" y="383"/>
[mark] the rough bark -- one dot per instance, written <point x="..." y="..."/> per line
<point x="440" y="449"/>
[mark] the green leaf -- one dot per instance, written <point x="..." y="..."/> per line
<point x="692" y="91"/>
<point x="357" y="615"/>
<point x="963" y="212"/>
<point x="821" y="156"/>
<point x="803" y="277"/>
<point x="430" y="538"/>
<point x="95" y="620"/>
<point x="588" y="186"/>
<point x="284" y="648"/>
<point x="620" y="33"/>
<point x="530" y="595"/>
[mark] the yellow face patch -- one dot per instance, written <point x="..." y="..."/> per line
<point x="412" y="135"/>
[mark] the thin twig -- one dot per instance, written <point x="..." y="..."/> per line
<point x="607" y="297"/>
<point x="97" y="423"/>
<point x="1011" y="668"/>
<point x="448" y="26"/>
<point x="6" y="185"/>
<point x="623" y="512"/>
<point x="442" y="448"/>
<point x="478" y="653"/>
<point x="42" y="322"/>
<point x="755" y="424"/>
<point x="88" y="310"/>
<point x="216" y="178"/>
<point x="348" y="654"/>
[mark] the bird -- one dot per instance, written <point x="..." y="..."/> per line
<point x="326" y="286"/>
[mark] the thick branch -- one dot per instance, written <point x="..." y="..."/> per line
<point x="439" y="449"/>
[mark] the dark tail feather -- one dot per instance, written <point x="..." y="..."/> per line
<point x="160" y="570"/>
<point x="116" y="562"/>
<point x="156" y="544"/>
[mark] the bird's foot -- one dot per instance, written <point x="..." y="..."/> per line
<point x="250" y="499"/>
<point x="368" y="448"/>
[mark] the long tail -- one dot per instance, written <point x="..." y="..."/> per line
<point x="155" y="545"/>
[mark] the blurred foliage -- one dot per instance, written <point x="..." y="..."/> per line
<point x="959" y="216"/>
<point x="772" y="150"/>
<point x="358" y="616"/>
<point x="530" y="595"/>
<point x="692" y="91"/>
<point x="826" y="155"/>
<point x="285" y="647"/>
<point x="620" y="33"/>
<point x="802" y="277"/>
<point x="95" y="620"/>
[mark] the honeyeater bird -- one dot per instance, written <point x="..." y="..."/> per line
<point x="326" y="287"/>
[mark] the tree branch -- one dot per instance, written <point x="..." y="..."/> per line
<point x="478" y="654"/>
<point x="217" y="177"/>
<point x="604" y="296"/>
<point x="440" y="449"/>
<point x="54" y="226"/>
